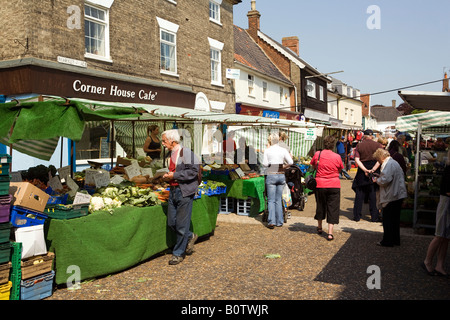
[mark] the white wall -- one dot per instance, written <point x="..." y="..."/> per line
<point x="273" y="92"/>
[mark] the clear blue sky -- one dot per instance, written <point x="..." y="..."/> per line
<point x="411" y="47"/>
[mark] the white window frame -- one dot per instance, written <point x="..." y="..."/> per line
<point x="321" y="93"/>
<point x="311" y="93"/>
<point x="170" y="28"/>
<point x="216" y="46"/>
<point x="216" y="5"/>
<point x="251" y="85"/>
<point x="282" y="99"/>
<point x="264" y="86"/>
<point x="105" y="23"/>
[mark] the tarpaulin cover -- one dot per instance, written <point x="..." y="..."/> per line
<point x="102" y="243"/>
<point x="47" y="121"/>
<point x="427" y="119"/>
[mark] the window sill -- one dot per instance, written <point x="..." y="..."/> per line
<point x="216" y="22"/>
<point x="169" y="73"/>
<point x="217" y="84"/>
<point x="97" y="57"/>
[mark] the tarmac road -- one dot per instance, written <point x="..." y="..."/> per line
<point x="232" y="264"/>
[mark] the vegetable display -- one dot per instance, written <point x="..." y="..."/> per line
<point x="115" y="196"/>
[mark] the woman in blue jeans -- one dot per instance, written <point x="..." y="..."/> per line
<point x="275" y="157"/>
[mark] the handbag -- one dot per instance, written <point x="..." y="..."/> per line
<point x="310" y="181"/>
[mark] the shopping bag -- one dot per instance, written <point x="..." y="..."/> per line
<point x="286" y="196"/>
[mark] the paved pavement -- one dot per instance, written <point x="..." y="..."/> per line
<point x="244" y="260"/>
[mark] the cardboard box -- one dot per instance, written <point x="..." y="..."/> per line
<point x="28" y="196"/>
<point x="32" y="239"/>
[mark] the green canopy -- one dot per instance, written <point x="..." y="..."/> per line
<point x="35" y="127"/>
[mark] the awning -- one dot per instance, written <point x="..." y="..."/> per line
<point x="427" y="119"/>
<point x="439" y="101"/>
<point x="35" y="127"/>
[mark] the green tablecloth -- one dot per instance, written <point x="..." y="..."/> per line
<point x="103" y="243"/>
<point x="242" y="189"/>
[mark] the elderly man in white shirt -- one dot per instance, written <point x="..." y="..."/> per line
<point x="274" y="159"/>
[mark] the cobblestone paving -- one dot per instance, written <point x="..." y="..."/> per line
<point x="232" y="265"/>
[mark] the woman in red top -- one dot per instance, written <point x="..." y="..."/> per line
<point x="328" y="190"/>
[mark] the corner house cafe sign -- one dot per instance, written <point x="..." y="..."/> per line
<point x="114" y="91"/>
<point x="32" y="79"/>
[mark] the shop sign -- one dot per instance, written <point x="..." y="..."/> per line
<point x="233" y="73"/>
<point x="271" y="114"/>
<point x="310" y="134"/>
<point x="113" y="91"/>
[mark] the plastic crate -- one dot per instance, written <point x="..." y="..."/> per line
<point x="5" y="230"/>
<point x="23" y="217"/>
<point x="5" y="251"/>
<point x="4" y="169"/>
<point x="37" y="288"/>
<point x="5" y="158"/>
<point x="16" y="270"/>
<point x="57" y="199"/>
<point x="37" y="265"/>
<point x="5" y="291"/>
<point x="4" y="185"/>
<point x="5" y="268"/>
<point x="68" y="211"/>
<point x="227" y="205"/>
<point x="5" y="208"/>
<point x="243" y="207"/>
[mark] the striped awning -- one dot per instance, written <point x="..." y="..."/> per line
<point x="68" y="122"/>
<point x="427" y="120"/>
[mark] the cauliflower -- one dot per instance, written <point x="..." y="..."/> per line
<point x="96" y="204"/>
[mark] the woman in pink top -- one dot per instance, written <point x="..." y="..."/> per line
<point x="328" y="191"/>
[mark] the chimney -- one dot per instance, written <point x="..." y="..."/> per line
<point x="291" y="43"/>
<point x="445" y="87"/>
<point x="394" y="103"/>
<point x="253" y="21"/>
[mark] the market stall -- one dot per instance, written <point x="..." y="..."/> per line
<point x="101" y="240"/>
<point x="435" y="123"/>
<point x="103" y="243"/>
<point x="427" y="169"/>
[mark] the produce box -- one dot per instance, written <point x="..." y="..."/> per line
<point x="32" y="239"/>
<point x="34" y="266"/>
<point x="5" y="230"/>
<point x="5" y="291"/>
<point x="22" y="217"/>
<point x="37" y="288"/>
<point x="5" y="208"/>
<point x="68" y="211"/>
<point x="5" y="250"/>
<point x="28" y="196"/>
<point x="4" y="272"/>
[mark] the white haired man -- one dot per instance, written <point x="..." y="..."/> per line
<point x="183" y="177"/>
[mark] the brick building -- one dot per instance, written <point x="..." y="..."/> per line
<point x="171" y="53"/>
<point x="77" y="48"/>
<point x="310" y="94"/>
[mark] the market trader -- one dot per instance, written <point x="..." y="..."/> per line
<point x="362" y="184"/>
<point x="183" y="177"/>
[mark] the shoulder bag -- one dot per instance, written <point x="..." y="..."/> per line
<point x="310" y="181"/>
